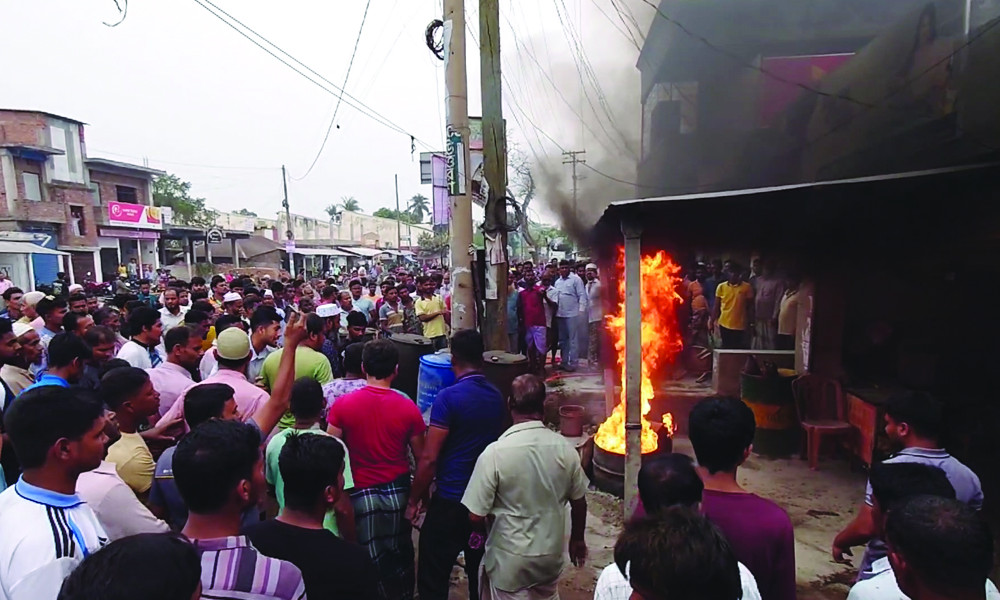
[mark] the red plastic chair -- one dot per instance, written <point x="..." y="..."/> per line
<point x="822" y="412"/>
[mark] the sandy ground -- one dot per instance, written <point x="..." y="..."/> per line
<point x="819" y="504"/>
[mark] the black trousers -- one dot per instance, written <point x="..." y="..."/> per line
<point x="444" y="534"/>
<point x="733" y="339"/>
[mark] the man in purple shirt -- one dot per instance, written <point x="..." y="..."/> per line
<point x="760" y="532"/>
<point x="219" y="470"/>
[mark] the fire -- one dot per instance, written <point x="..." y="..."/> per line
<point x="661" y="342"/>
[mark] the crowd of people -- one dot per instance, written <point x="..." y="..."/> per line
<point x="242" y="438"/>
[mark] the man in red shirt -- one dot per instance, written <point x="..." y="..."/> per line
<point x="380" y="426"/>
<point x="531" y="317"/>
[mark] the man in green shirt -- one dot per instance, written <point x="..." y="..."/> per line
<point x="307" y="405"/>
<point x="309" y="362"/>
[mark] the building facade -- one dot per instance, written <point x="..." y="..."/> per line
<point x="99" y="212"/>
<point x="346" y="229"/>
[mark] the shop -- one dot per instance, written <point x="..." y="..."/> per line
<point x="133" y="233"/>
<point x="891" y="268"/>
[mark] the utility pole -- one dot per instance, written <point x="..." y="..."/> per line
<point x="289" y="233"/>
<point x="573" y="157"/>
<point x="399" y="239"/>
<point x="463" y="305"/>
<point x="495" y="171"/>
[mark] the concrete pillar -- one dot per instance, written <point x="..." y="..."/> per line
<point x="633" y="365"/>
<point x="236" y="254"/>
<point x="98" y="267"/>
<point x="68" y="262"/>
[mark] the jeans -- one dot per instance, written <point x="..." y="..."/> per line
<point x="568" y="340"/>
<point x="445" y="533"/>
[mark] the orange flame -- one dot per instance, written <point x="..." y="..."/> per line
<point x="661" y="342"/>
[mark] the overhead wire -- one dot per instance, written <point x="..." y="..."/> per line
<point x="336" y="108"/>
<point x="306" y="72"/>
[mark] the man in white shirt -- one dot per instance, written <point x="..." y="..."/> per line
<point x="939" y="548"/>
<point x="570" y="314"/>
<point x="142" y="351"/>
<point x="47" y="529"/>
<point x="893" y="485"/>
<point x="677" y="554"/>
<point x="664" y="482"/>
<point x="595" y="317"/>
<point x="525" y="479"/>
<point x="113" y="501"/>
<point x="172" y="313"/>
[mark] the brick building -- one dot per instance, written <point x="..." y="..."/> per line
<point x="68" y="202"/>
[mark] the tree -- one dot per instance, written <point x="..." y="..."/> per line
<point x="173" y="192"/>
<point x="433" y="244"/>
<point x="388" y="213"/>
<point x="332" y="210"/>
<point x="419" y="207"/>
<point x="246" y="213"/>
<point x="350" y="204"/>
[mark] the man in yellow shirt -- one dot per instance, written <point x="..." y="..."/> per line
<point x="432" y="313"/>
<point x="129" y="392"/>
<point x="730" y="313"/>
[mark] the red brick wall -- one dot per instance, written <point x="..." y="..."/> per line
<point x="107" y="182"/>
<point x="21" y="128"/>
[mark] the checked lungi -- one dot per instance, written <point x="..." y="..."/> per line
<point x="382" y="530"/>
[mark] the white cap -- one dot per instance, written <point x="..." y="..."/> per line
<point x="268" y="294"/>
<point x="328" y="310"/>
<point x="21" y="329"/>
<point x="76" y="287"/>
<point x="231" y="297"/>
<point x="591" y="266"/>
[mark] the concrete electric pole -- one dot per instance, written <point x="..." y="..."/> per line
<point x="289" y="233"/>
<point x="463" y="305"/>
<point x="495" y="171"/>
<point x="573" y="157"/>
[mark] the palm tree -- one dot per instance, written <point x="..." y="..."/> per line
<point x="332" y="210"/>
<point x="350" y="204"/>
<point x="419" y="207"/>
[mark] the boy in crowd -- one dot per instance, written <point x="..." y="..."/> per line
<point x="760" y="532"/>
<point x="312" y="469"/>
<point x="58" y="434"/>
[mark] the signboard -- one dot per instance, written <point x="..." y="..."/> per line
<point x="124" y="214"/>
<point x="788" y="73"/>
<point x="290" y="246"/>
<point x="455" y="154"/>
<point x="214" y="236"/>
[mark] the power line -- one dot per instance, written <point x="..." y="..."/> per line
<point x="336" y="108"/>
<point x="232" y="22"/>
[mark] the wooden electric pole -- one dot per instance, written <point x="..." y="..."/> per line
<point x="495" y="171"/>
<point x="463" y="304"/>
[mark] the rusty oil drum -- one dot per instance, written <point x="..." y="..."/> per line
<point x="773" y="404"/>
<point x="410" y="347"/>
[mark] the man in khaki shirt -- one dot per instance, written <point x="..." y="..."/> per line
<point x="525" y="479"/>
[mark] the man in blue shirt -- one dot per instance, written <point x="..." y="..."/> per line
<point x="466" y="417"/>
<point x="571" y="313"/>
<point x="68" y="354"/>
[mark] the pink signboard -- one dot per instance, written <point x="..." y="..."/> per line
<point x="786" y="74"/>
<point x="124" y="214"/>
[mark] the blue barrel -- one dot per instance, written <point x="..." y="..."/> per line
<point x="435" y="375"/>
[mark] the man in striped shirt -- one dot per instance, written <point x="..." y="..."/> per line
<point x="219" y="470"/>
<point x="47" y="529"/>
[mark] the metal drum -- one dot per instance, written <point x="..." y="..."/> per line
<point x="435" y="375"/>
<point x="410" y="347"/>
<point x="501" y="368"/>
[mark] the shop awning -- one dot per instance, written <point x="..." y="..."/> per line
<point x="319" y="252"/>
<point x="8" y="247"/>
<point x="361" y="251"/>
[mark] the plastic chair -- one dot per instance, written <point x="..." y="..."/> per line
<point x="822" y="412"/>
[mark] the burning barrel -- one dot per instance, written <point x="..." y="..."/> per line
<point x="609" y="467"/>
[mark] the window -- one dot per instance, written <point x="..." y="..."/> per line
<point x="126" y="193"/>
<point x="32" y="189"/>
<point x="76" y="220"/>
<point x="670" y="108"/>
<point x="95" y="192"/>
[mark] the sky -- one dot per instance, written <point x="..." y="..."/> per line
<point x="173" y="87"/>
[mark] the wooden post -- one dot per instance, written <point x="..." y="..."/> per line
<point x="495" y="171"/>
<point x="633" y="365"/>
